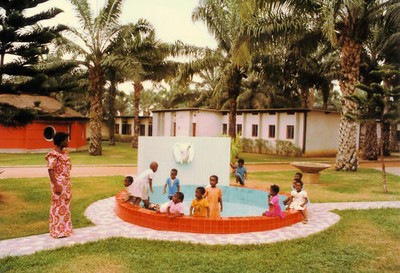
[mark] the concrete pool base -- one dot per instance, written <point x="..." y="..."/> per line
<point x="108" y="225"/>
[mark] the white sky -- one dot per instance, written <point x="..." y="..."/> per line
<point x="172" y="20"/>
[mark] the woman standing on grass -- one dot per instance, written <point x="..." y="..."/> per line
<point x="59" y="166"/>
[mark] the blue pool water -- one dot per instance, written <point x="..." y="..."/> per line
<point x="237" y="201"/>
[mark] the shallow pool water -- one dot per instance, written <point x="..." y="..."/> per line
<point x="237" y="201"/>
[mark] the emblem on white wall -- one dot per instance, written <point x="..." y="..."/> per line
<point x="183" y="153"/>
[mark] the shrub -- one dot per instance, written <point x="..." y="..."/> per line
<point x="284" y="147"/>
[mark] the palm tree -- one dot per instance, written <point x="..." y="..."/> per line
<point x="95" y="36"/>
<point x="347" y="25"/>
<point x="232" y="55"/>
<point x="383" y="98"/>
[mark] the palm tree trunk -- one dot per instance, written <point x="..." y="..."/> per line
<point x="138" y="87"/>
<point x="111" y="114"/>
<point x="96" y="84"/>
<point x="394" y="147"/>
<point x="347" y="158"/>
<point x="1" y="66"/>
<point x="233" y="83"/>
<point x="370" y="143"/>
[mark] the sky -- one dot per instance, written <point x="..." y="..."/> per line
<point x="172" y="19"/>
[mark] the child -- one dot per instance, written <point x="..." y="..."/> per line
<point x="240" y="171"/>
<point x="199" y="206"/>
<point x="273" y="203"/>
<point x="128" y="183"/>
<point x="172" y="183"/>
<point x="298" y="200"/>
<point x="175" y="206"/>
<point x="214" y="198"/>
<point x="297" y="177"/>
<point x="144" y="182"/>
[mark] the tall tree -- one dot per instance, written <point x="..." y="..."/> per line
<point x="232" y="55"/>
<point x="25" y="42"/>
<point x="95" y="35"/>
<point x="347" y="25"/>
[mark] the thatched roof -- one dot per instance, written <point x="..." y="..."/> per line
<point x="47" y="107"/>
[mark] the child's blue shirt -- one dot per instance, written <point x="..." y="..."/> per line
<point x="172" y="189"/>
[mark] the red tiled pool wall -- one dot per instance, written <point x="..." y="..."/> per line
<point x="227" y="225"/>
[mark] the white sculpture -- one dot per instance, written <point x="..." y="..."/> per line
<point x="183" y="152"/>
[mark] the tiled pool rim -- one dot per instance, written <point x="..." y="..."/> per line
<point x="226" y="225"/>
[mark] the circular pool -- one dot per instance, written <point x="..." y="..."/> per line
<point x="237" y="201"/>
<point x="242" y="213"/>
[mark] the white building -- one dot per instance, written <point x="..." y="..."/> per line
<point x="315" y="132"/>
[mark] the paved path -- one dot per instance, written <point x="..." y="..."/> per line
<point x="82" y="171"/>
<point x="107" y="225"/>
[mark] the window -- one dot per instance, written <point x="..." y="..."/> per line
<point x="271" y="131"/>
<point x="224" y="129"/>
<point x="290" y="132"/>
<point x="142" y="130"/>
<point x="290" y="113"/>
<point x="126" y="129"/>
<point x="254" y="130"/>
<point x="254" y="113"/>
<point x="193" y="129"/>
<point x="239" y="129"/>
<point x="272" y="113"/>
<point x="49" y="133"/>
<point x="117" y="128"/>
<point x="150" y="129"/>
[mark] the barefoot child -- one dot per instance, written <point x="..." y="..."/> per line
<point x="240" y="171"/>
<point x="214" y="198"/>
<point x="128" y="183"/>
<point x="172" y="183"/>
<point x="199" y="206"/>
<point x="298" y="200"/>
<point x="273" y="203"/>
<point x="175" y="206"/>
<point x="143" y="183"/>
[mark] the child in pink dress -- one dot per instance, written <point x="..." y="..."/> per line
<point x="273" y="202"/>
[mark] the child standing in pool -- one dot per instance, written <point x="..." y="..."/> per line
<point x="273" y="203"/>
<point x="240" y="171"/>
<point x="214" y="198"/>
<point x="298" y="200"/>
<point x="172" y="183"/>
<point x="199" y="206"/>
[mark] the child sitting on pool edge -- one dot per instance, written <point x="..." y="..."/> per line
<point x="273" y="203"/>
<point x="175" y="206"/>
<point x="298" y="200"/>
<point x="199" y="206"/>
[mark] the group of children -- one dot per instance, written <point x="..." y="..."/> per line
<point x="297" y="200"/>
<point x="208" y="201"/>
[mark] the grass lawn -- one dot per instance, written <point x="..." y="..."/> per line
<point x="121" y="153"/>
<point x="363" y="185"/>
<point x="25" y="203"/>
<point x="363" y="241"/>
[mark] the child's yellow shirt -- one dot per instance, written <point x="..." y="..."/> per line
<point x="199" y="207"/>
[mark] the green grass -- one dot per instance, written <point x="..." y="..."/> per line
<point x="25" y="203"/>
<point x="121" y="153"/>
<point x="363" y="185"/>
<point x="363" y="241"/>
<point x="261" y="158"/>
